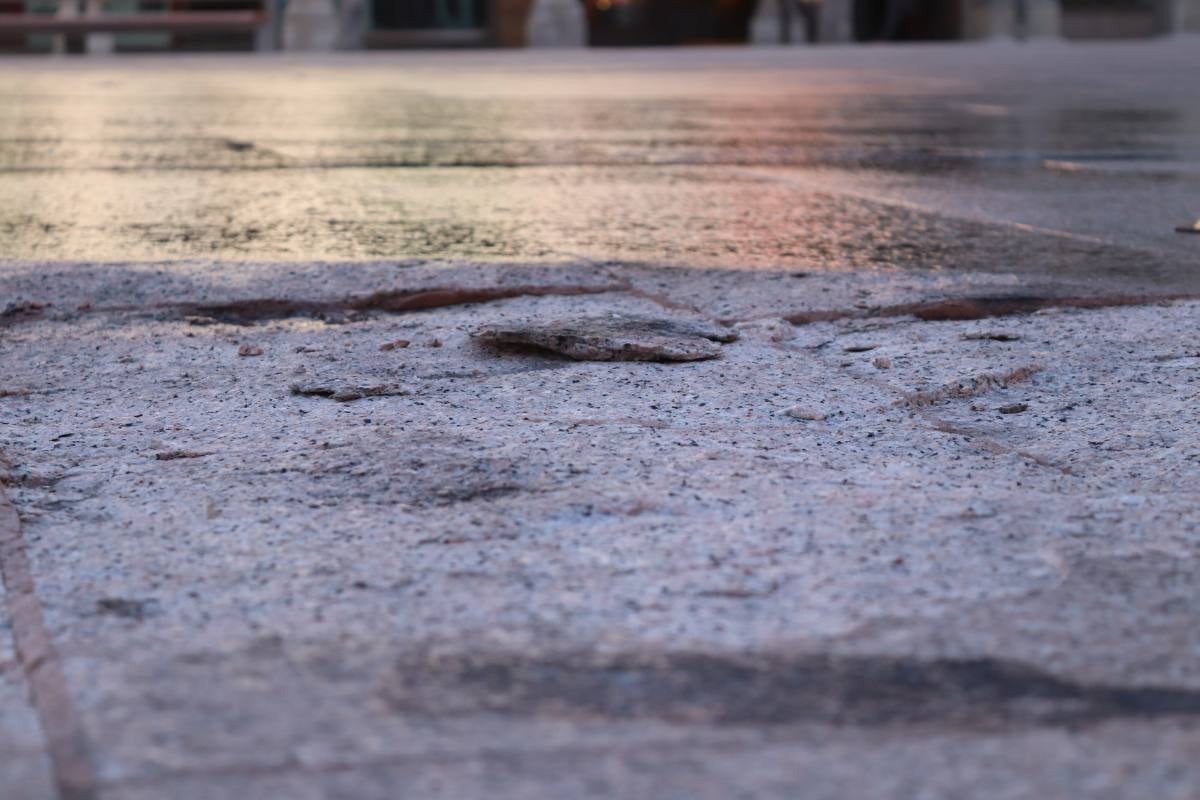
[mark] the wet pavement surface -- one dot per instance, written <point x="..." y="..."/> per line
<point x="1078" y="161"/>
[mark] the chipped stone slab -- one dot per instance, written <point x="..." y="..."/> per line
<point x="344" y="392"/>
<point x="615" y="338"/>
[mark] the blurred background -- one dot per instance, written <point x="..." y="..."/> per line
<point x="557" y="130"/>
<point x="99" y="26"/>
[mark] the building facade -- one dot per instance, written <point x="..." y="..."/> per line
<point x="317" y="25"/>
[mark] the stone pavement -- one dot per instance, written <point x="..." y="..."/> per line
<point x="300" y="529"/>
<point x="515" y="574"/>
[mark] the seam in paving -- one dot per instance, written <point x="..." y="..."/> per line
<point x="793" y="179"/>
<point x="262" y="309"/>
<point x="964" y="309"/>
<point x="62" y="729"/>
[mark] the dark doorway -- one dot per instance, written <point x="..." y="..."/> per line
<point x="429" y="14"/>
<point x="667" y="22"/>
<point x="907" y="20"/>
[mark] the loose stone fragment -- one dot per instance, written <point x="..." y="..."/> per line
<point x="393" y="345"/>
<point x="972" y="386"/>
<point x="773" y="329"/>
<point x="129" y="608"/>
<point x="859" y="348"/>
<point x="250" y="350"/>
<point x="171" y="455"/>
<point x="995" y="336"/>
<point x="14" y="309"/>
<point x="800" y="412"/>
<point x="882" y="362"/>
<point x="615" y="338"/>
<point x="344" y="393"/>
<point x="1015" y="408"/>
<point x="1176" y="355"/>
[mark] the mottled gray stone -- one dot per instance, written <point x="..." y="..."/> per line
<point x="601" y="558"/>
<point x="615" y="338"/>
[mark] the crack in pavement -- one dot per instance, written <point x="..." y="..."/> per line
<point x="260" y="309"/>
<point x="391" y="300"/>
<point x="963" y="309"/>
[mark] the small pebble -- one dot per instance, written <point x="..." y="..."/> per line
<point x="395" y="344"/>
<point x="190" y="320"/>
<point x="859" y="348"/>
<point x="882" y="362"/>
<point x="435" y="342"/>
<point x="171" y="455"/>
<point x="994" y="336"/>
<point x="250" y="350"/>
<point x="1015" y="408"/>
<point x="800" y="412"/>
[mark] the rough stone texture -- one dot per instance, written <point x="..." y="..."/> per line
<point x="418" y="578"/>
<point x="505" y="573"/>
<point x="24" y="768"/>
<point x="826" y="763"/>
<point x="615" y="338"/>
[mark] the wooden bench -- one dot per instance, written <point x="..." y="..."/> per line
<point x="175" y="17"/>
